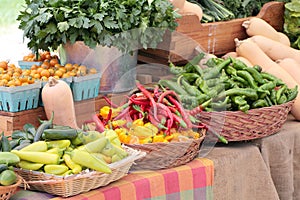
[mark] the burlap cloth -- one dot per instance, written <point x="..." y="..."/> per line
<point x="261" y="169"/>
<point x="241" y="173"/>
<point x="281" y="153"/>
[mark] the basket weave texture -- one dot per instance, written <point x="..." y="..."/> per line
<point x="240" y="126"/>
<point x="167" y="155"/>
<point x="7" y="191"/>
<point x="75" y="184"/>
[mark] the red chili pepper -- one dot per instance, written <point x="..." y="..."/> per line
<point x="108" y="117"/>
<point x="166" y="93"/>
<point x="149" y="96"/>
<point x="167" y="110"/>
<point x="169" y="126"/>
<point x="156" y="123"/>
<point x="99" y="125"/>
<point x="196" y="110"/>
<point x="182" y="111"/>
<point x="110" y="102"/>
<point x="139" y="102"/>
<point x="179" y="120"/>
<point x="174" y="110"/>
<point x="122" y="114"/>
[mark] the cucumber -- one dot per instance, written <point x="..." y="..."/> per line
<point x="8" y="177"/>
<point x="59" y="134"/>
<point x="9" y="158"/>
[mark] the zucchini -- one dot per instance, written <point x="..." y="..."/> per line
<point x="59" y="134"/>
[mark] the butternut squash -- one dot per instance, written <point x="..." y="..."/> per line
<point x="258" y="26"/>
<point x="244" y="60"/>
<point x="231" y="54"/>
<point x="284" y="39"/>
<point x="291" y="66"/>
<point x="192" y="8"/>
<point x="57" y="97"/>
<point x="251" y="51"/>
<point x="275" y="50"/>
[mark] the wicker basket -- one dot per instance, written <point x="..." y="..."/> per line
<point x="79" y="183"/>
<point x="166" y="155"/>
<point x="7" y="191"/>
<point x="240" y="126"/>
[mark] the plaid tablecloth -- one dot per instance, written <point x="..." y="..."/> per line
<point x="191" y="181"/>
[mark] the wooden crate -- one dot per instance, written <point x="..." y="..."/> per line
<point x="84" y="109"/>
<point x="216" y="38"/>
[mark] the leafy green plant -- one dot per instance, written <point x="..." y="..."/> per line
<point x="120" y="23"/>
<point x="292" y="22"/>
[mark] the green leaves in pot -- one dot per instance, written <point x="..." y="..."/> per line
<point x="125" y="24"/>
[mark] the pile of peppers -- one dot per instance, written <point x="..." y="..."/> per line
<point x="226" y="84"/>
<point x="159" y="110"/>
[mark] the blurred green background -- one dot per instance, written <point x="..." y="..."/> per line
<point x="9" y="11"/>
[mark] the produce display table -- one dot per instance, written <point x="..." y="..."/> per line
<point x="266" y="168"/>
<point x="191" y="181"/>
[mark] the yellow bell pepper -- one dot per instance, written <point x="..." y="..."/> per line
<point x="118" y="123"/>
<point x="146" y="140"/>
<point x="138" y="122"/>
<point x="123" y="135"/>
<point x="159" y="138"/>
<point x="153" y="128"/>
<point x="104" y="111"/>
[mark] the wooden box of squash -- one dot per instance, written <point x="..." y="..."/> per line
<point x="216" y="38"/>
